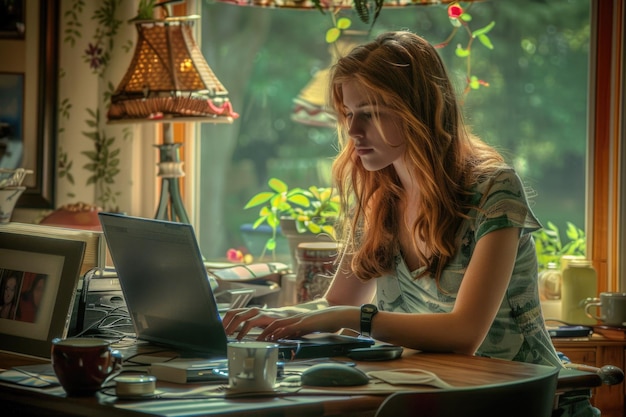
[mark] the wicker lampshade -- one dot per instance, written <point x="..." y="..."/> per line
<point x="168" y="78"/>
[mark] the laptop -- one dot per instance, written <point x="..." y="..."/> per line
<point x="169" y="297"/>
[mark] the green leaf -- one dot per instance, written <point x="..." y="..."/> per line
<point x="314" y="228"/>
<point x="318" y="5"/>
<point x="258" y="222"/>
<point x="91" y="135"/>
<point x="300" y="200"/>
<point x="277" y="185"/>
<point x="270" y="244"/>
<point x="273" y="221"/>
<point x="362" y="10"/>
<point x="258" y="199"/>
<point x="325" y="194"/>
<point x="466" y="17"/>
<point x="332" y="35"/>
<point x="462" y="52"/>
<point x="329" y="230"/>
<point x="344" y="23"/>
<point x="483" y="30"/>
<point x="484" y="39"/>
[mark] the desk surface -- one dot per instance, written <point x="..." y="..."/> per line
<point x="457" y="370"/>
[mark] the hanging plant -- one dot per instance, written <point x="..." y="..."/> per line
<point x="460" y="20"/>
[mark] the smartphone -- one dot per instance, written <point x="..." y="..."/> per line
<point x="376" y="353"/>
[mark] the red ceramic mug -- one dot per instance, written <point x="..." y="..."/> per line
<point x="82" y="365"/>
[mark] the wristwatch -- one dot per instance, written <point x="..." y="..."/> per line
<point x="368" y="311"/>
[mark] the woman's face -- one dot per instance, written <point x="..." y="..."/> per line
<point x="9" y="290"/>
<point x="38" y="292"/>
<point x="375" y="153"/>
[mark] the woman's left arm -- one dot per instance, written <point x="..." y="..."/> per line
<point x="462" y="330"/>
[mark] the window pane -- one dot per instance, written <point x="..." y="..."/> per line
<point x="534" y="108"/>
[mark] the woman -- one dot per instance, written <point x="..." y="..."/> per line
<point x="439" y="228"/>
<point x="9" y="297"/>
<point x="31" y="299"/>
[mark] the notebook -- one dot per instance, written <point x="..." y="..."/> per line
<point x="169" y="297"/>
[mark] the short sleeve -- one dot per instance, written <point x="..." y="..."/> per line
<point x="503" y="203"/>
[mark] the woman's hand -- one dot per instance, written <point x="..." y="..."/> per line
<point x="244" y="319"/>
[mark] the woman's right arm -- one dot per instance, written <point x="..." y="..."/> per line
<point x="345" y="289"/>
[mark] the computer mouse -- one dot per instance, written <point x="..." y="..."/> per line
<point x="333" y="375"/>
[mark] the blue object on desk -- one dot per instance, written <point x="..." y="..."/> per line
<point x="570" y="331"/>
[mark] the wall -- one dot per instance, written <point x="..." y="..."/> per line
<point x="98" y="163"/>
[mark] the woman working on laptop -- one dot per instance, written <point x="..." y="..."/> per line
<point x="439" y="226"/>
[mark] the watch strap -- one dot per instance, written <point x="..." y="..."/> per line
<point x="368" y="311"/>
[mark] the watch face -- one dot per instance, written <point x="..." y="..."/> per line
<point x="368" y="309"/>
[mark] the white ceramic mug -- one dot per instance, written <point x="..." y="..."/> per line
<point x="252" y="366"/>
<point x="612" y="307"/>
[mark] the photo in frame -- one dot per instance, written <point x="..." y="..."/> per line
<point x="38" y="281"/>
<point x="11" y="120"/>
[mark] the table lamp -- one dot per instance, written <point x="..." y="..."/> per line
<point x="168" y="80"/>
<point x="310" y="106"/>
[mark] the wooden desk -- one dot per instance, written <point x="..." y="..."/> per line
<point x="457" y="370"/>
<point x="598" y="351"/>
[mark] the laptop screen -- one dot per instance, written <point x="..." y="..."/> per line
<point x="165" y="283"/>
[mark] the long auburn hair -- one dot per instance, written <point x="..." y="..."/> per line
<point x="403" y="72"/>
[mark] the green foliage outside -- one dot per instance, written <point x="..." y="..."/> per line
<point x="550" y="247"/>
<point x="533" y="108"/>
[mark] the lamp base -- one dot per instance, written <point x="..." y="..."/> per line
<point x="170" y="170"/>
<point x="171" y="203"/>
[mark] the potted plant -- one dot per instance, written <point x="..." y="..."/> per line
<point x="550" y="248"/>
<point x="301" y="214"/>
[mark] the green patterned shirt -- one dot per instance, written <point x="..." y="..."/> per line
<point x="518" y="331"/>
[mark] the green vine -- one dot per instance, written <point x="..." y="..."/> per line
<point x="72" y="22"/>
<point x="64" y="164"/>
<point x="460" y="20"/>
<point x="98" y="52"/>
<point x="104" y="161"/>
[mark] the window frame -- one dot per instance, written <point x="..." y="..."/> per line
<point x="606" y="228"/>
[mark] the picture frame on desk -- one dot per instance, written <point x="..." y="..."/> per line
<point x="41" y="274"/>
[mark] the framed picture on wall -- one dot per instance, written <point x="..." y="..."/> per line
<point x="38" y="281"/>
<point x="12" y="19"/>
<point x="35" y="56"/>
<point x="11" y="119"/>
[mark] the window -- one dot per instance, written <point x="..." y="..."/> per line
<point x="534" y="110"/>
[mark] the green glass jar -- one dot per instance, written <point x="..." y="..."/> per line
<point x="579" y="283"/>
